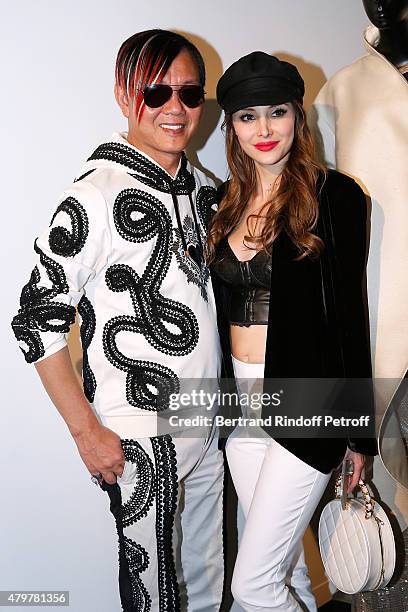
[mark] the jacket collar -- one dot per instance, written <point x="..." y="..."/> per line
<point x="142" y="167"/>
<point x="371" y="38"/>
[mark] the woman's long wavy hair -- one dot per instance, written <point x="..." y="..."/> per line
<point x="292" y="208"/>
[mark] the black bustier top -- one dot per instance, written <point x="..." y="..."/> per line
<point x="249" y="284"/>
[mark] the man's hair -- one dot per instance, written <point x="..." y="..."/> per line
<point x="145" y="57"/>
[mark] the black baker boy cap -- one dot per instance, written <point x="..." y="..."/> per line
<point x="259" y="79"/>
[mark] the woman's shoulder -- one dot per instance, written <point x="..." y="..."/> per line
<point x="337" y="183"/>
<point x="342" y="193"/>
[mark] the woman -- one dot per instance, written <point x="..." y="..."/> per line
<point x="288" y="248"/>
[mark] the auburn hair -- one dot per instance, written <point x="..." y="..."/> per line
<point x="292" y="208"/>
<point x="144" y="58"/>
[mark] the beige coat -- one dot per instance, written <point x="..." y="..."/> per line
<point x="360" y="120"/>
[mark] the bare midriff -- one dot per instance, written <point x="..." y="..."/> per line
<point x="248" y="343"/>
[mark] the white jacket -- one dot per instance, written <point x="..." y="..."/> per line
<point x="360" y="121"/>
<point x="361" y="117"/>
<point x="116" y="248"/>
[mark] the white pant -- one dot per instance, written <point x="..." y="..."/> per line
<point x="168" y="511"/>
<point x="278" y="494"/>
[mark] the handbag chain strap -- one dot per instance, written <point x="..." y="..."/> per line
<point x="379" y="522"/>
<point x="368" y="500"/>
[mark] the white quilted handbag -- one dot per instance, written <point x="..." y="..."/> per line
<point x="357" y="544"/>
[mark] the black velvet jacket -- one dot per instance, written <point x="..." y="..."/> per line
<point x="318" y="322"/>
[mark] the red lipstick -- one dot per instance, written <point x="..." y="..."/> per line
<point x="266" y="146"/>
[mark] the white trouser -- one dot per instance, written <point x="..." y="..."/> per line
<point x="168" y="511"/>
<point x="278" y="494"/>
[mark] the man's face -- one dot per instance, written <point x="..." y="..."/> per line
<point x="164" y="132"/>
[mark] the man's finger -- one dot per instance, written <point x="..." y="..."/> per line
<point x="109" y="477"/>
<point x="120" y="469"/>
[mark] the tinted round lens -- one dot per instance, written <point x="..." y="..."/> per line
<point x="157" y="95"/>
<point x="191" y="95"/>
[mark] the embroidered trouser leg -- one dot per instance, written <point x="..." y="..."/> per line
<point x="153" y="495"/>
<point x="278" y="494"/>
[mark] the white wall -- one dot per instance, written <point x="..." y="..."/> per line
<point x="56" y="105"/>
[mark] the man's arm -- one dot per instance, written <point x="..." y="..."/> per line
<point x="99" y="447"/>
<point x="70" y="253"/>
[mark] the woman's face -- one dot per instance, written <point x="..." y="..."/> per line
<point x="266" y="133"/>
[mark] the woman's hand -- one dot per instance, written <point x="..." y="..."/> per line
<point x="358" y="462"/>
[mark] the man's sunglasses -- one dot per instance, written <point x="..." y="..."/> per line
<point x="157" y="95"/>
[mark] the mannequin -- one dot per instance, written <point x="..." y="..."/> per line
<point x="391" y="19"/>
<point x="360" y="123"/>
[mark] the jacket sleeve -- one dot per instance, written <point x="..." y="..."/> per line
<point x="351" y="251"/>
<point x="70" y="252"/>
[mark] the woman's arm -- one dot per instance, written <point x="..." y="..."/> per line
<point x="351" y="241"/>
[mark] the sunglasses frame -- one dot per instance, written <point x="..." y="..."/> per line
<point x="178" y="88"/>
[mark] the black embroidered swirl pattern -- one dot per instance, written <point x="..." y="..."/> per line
<point x="145" y="170"/>
<point x="87" y="330"/>
<point x="142" y="497"/>
<point x="149" y="385"/>
<point x="140" y="217"/>
<point x="61" y="240"/>
<point x="138" y="561"/>
<point x="56" y="275"/>
<point x="166" y="504"/>
<point x="206" y="204"/>
<point x="153" y="311"/>
<point x="134" y="509"/>
<point x="34" y="348"/>
<point x="153" y="481"/>
<point x="133" y="558"/>
<point x="38" y="311"/>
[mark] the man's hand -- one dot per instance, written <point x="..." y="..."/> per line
<point x="99" y="447"/>
<point x="101" y="451"/>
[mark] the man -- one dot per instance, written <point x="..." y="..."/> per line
<point x="125" y="246"/>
